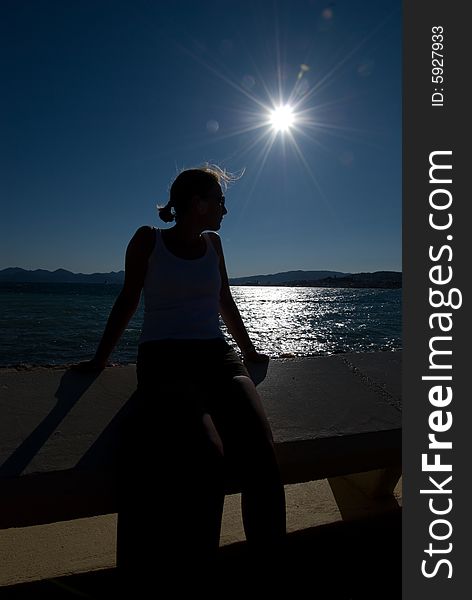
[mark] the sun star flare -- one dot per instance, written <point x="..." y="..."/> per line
<point x="282" y="118"/>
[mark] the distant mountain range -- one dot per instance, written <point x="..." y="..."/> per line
<point x="378" y="279"/>
<point x="285" y="277"/>
<point x="16" y="275"/>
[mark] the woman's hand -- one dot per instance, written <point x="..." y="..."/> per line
<point x="89" y="366"/>
<point x="254" y="356"/>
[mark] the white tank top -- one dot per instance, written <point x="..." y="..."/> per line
<point x="181" y="296"/>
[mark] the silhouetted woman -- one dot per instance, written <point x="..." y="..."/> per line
<point x="198" y="415"/>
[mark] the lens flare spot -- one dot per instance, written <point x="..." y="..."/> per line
<point x="248" y="82"/>
<point x="212" y="126"/>
<point x="366" y="68"/>
<point x="327" y="14"/>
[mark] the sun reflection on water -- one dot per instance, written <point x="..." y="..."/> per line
<point x="285" y="321"/>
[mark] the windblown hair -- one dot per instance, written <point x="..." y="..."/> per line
<point x="194" y="182"/>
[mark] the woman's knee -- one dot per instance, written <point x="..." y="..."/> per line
<point x="248" y="405"/>
<point x="243" y="387"/>
<point x="212" y="437"/>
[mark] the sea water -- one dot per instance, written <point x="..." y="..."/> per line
<point x="60" y="323"/>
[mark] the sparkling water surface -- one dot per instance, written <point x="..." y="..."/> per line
<point x="42" y="323"/>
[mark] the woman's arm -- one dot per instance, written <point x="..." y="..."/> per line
<point x="137" y="255"/>
<point x="230" y="312"/>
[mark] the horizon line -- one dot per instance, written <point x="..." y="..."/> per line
<point x="231" y="277"/>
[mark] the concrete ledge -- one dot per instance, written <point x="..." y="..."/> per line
<point x="330" y="416"/>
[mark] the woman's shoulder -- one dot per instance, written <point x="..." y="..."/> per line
<point x="146" y="231"/>
<point x="216" y="243"/>
<point x="144" y="238"/>
<point x="214" y="237"/>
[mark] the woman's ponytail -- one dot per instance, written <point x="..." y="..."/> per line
<point x="166" y="213"/>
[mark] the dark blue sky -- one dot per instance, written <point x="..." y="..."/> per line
<point x="103" y="103"/>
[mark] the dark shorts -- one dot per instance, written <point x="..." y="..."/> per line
<point x="193" y="372"/>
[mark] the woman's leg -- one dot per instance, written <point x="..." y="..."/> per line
<point x="172" y="491"/>
<point x="249" y="452"/>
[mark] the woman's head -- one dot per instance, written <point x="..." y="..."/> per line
<point x="201" y="184"/>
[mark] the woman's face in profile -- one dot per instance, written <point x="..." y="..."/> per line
<point x="215" y="203"/>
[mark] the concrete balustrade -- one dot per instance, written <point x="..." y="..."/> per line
<point x="332" y="417"/>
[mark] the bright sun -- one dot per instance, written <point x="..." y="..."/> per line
<point x="282" y="118"/>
